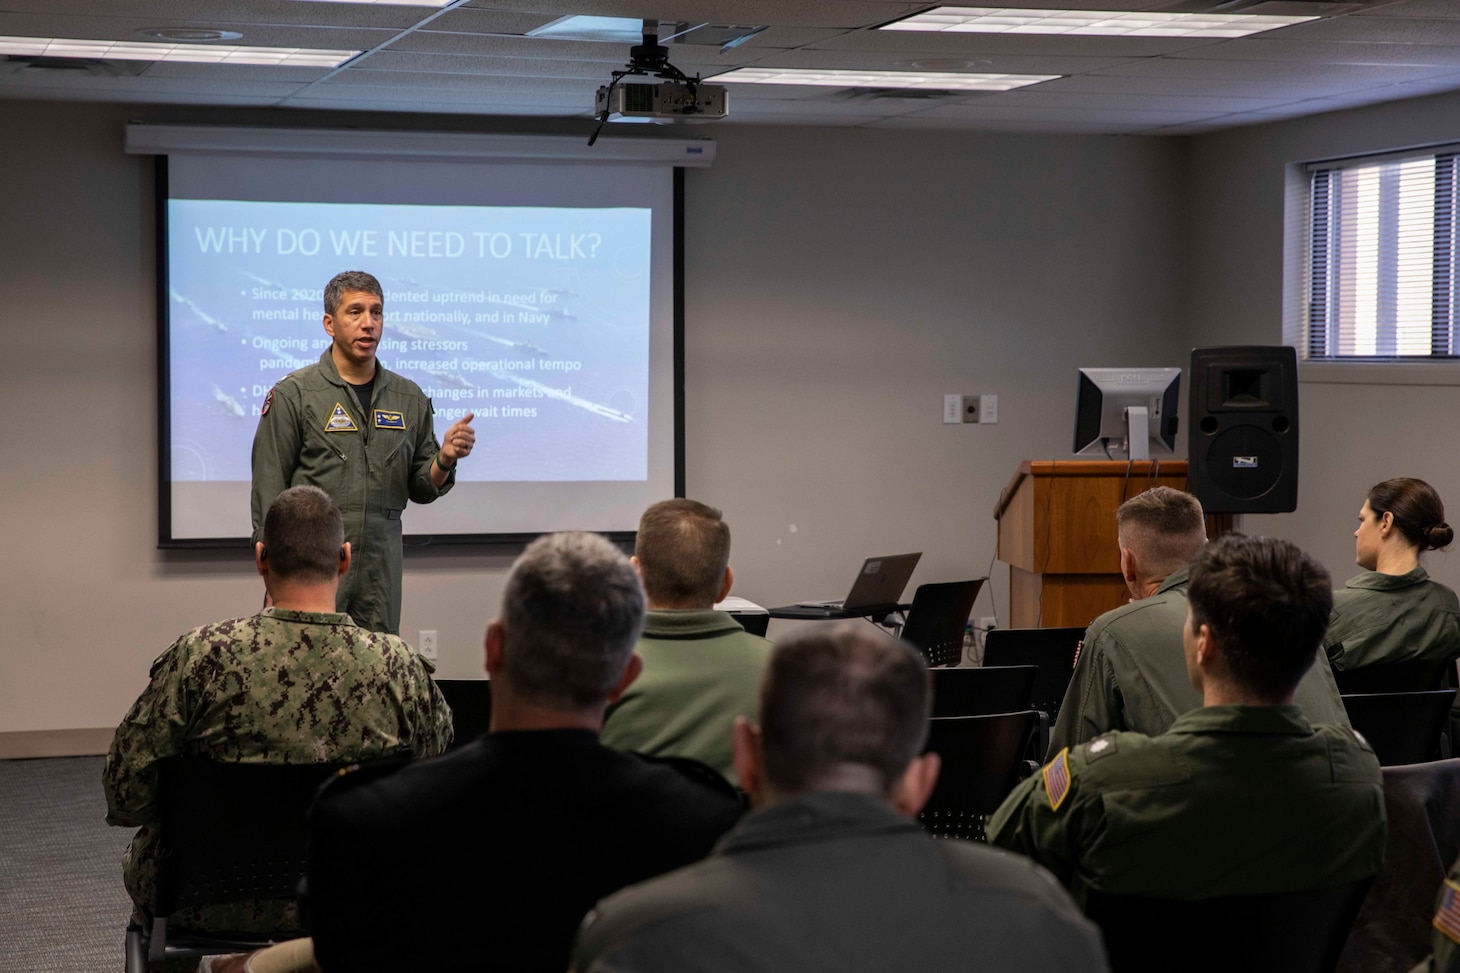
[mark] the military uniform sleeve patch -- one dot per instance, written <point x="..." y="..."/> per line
<point x="340" y="421"/>
<point x="1363" y="740"/>
<point x="268" y="401"/>
<point x="1057" y="779"/>
<point x="1447" y="916"/>
<point x="389" y="420"/>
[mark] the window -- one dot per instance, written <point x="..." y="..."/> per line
<point x="1380" y="276"/>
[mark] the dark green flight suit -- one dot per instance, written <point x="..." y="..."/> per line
<point x="1382" y="618"/>
<point x="1233" y="800"/>
<point x="1131" y="674"/>
<point x="313" y="431"/>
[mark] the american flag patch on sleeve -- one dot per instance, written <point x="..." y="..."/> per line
<point x="1057" y="780"/>
<point x="1447" y="916"/>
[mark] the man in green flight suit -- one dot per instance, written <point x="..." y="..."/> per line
<point x="1130" y="674"/>
<point x="1242" y="796"/>
<point x="365" y="436"/>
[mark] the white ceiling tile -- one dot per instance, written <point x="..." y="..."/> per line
<point x="1438" y="9"/>
<point x="877" y="61"/>
<point x="1378" y="30"/>
<point x="904" y="42"/>
<point x="1272" y="71"/>
<point x="1042" y="97"/>
<point x="1318" y="52"/>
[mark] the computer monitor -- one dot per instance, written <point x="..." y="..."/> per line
<point x="1135" y="408"/>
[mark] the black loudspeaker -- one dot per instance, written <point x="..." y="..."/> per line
<point x="1242" y="428"/>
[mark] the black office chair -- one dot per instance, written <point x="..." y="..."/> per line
<point x="938" y="619"/>
<point x="471" y="708"/>
<point x="982" y="690"/>
<point x="1288" y="932"/>
<point x="1403" y="728"/>
<point x="1414" y="676"/>
<point x="983" y="760"/>
<point x="228" y="832"/>
<point x="1051" y="649"/>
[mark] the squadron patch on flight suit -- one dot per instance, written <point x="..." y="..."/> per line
<point x="1057" y="779"/>
<point x="389" y="420"/>
<point x="1447" y="917"/>
<point x="268" y="401"/>
<point x="340" y="421"/>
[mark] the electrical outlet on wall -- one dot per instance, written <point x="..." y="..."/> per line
<point x="427" y="643"/>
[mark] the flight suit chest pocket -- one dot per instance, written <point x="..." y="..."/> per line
<point x="394" y="450"/>
<point x="328" y="455"/>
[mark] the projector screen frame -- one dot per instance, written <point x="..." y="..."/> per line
<point x="494" y="542"/>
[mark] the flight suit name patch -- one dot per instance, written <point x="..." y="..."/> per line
<point x="1057" y="779"/>
<point x="340" y="421"/>
<point x="389" y="420"/>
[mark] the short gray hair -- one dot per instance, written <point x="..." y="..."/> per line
<point x="350" y="280"/>
<point x="1165" y="527"/>
<point x="572" y="612"/>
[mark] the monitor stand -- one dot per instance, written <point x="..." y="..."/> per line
<point x="1138" y="432"/>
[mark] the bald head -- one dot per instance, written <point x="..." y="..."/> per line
<point x="1163" y="528"/>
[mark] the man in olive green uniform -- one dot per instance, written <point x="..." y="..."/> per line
<point x="701" y="668"/>
<point x="1241" y="796"/>
<point x="830" y="871"/>
<point x="1130" y="674"/>
<point x="296" y="683"/>
<point x="1383" y="618"/>
<point x="365" y="436"/>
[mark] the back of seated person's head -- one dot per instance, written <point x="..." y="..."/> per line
<point x="683" y="549"/>
<point x="1266" y="604"/>
<point x="304" y="536"/>
<point x="842" y="708"/>
<point x="572" y="612"/>
<point x="1164" y="527"/>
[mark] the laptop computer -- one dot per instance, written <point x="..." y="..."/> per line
<point x="879" y="584"/>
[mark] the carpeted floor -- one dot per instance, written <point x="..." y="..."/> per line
<point x="62" y="905"/>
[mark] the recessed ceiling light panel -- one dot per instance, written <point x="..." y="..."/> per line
<point x="941" y="80"/>
<point x="1111" y="23"/>
<point x="190" y="52"/>
<point x="189" y="35"/>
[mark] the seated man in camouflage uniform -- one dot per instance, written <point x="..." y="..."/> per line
<point x="1242" y="796"/>
<point x="320" y="690"/>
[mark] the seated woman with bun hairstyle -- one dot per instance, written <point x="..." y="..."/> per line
<point x="1393" y="612"/>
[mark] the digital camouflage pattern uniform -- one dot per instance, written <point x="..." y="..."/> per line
<point x="1383" y="618"/>
<point x="279" y="687"/>
<point x="1131" y="674"/>
<point x="313" y="431"/>
<point x="1233" y="800"/>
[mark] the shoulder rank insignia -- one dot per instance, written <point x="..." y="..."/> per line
<point x="340" y="421"/>
<point x="1447" y="916"/>
<point x="389" y="420"/>
<point x="1102" y="746"/>
<point x="1057" y="779"/>
<point x="268" y="401"/>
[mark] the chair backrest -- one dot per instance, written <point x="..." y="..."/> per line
<point x="983" y="759"/>
<point x="471" y="708"/>
<point x="1414" y="676"/>
<point x="982" y="690"/>
<point x="1051" y="649"/>
<point x="938" y="618"/>
<point x="1286" y="932"/>
<point x="1403" y="728"/>
<point x="233" y="831"/>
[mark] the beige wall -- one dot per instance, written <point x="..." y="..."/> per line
<point x="1352" y="435"/>
<point x="838" y="282"/>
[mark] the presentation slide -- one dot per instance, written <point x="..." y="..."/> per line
<point x="533" y="320"/>
<point x="536" y="298"/>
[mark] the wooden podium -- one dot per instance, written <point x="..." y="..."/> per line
<point x="1057" y="534"/>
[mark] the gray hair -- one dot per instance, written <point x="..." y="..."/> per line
<point x="350" y="280"/>
<point x="572" y="612"/>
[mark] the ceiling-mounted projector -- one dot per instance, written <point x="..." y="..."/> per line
<point x="677" y="96"/>
<point x="666" y="101"/>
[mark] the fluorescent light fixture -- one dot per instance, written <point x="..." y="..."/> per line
<point x="397" y="3"/>
<point x="298" y="57"/>
<point x="618" y="30"/>
<point x="1111" y="23"/>
<point x="938" y="80"/>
